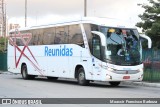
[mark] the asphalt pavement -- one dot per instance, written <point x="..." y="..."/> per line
<point x="13" y="86"/>
<point x="142" y="83"/>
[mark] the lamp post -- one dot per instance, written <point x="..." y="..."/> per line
<point x="25" y="13"/>
<point x="85" y="8"/>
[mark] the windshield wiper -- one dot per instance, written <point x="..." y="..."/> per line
<point x="114" y="41"/>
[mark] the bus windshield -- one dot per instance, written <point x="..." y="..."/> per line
<point x="123" y="46"/>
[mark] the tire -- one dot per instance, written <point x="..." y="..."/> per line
<point x="52" y="78"/>
<point x="25" y="73"/>
<point x="81" y="78"/>
<point x="115" y="83"/>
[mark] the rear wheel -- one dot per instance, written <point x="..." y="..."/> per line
<point x="25" y="73"/>
<point x="81" y="77"/>
<point x="115" y="83"/>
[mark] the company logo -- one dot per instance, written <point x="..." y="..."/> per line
<point x="25" y="38"/>
<point x="61" y="51"/>
<point x="6" y="101"/>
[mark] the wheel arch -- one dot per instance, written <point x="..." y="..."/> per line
<point x="76" y="70"/>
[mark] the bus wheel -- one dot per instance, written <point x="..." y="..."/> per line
<point x="25" y="73"/>
<point x="114" y="83"/>
<point x="81" y="77"/>
<point x="52" y="78"/>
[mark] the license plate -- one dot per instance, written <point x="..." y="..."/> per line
<point x="126" y="77"/>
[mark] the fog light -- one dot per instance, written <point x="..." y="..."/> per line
<point x="141" y="77"/>
<point x="140" y="70"/>
<point x="108" y="76"/>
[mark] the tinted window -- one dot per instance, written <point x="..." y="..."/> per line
<point x="75" y="35"/>
<point x="19" y="42"/>
<point x="48" y="36"/>
<point x="96" y="50"/>
<point x="56" y="35"/>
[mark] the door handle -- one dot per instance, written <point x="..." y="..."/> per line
<point x="85" y="60"/>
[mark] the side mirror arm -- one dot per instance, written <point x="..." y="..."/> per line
<point x="102" y="37"/>
<point x="149" y="40"/>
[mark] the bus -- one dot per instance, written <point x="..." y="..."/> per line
<point x="86" y="49"/>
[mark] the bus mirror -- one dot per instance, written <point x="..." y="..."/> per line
<point x="149" y="40"/>
<point x="102" y="37"/>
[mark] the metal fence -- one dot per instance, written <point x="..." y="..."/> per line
<point x="151" y="60"/>
<point x="3" y="61"/>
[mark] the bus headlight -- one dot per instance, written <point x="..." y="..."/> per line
<point x="111" y="69"/>
<point x="140" y="70"/>
<point x="108" y="77"/>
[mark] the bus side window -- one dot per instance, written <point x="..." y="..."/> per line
<point x="75" y="35"/>
<point x="19" y="42"/>
<point x="48" y="36"/>
<point x="40" y="39"/>
<point x="35" y="40"/>
<point x="96" y="46"/>
<point x="59" y="37"/>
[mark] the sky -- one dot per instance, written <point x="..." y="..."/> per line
<point x="49" y="11"/>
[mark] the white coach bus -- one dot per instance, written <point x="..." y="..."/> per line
<point x="88" y="49"/>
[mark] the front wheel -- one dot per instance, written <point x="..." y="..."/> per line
<point x="81" y="77"/>
<point x="114" y="83"/>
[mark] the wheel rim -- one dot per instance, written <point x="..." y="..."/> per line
<point x="24" y="72"/>
<point x="81" y="76"/>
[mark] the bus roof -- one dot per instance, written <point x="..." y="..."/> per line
<point x="109" y="22"/>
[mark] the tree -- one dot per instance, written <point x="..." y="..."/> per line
<point x="2" y="44"/>
<point x="151" y="21"/>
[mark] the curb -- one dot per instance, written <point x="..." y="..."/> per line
<point x="5" y="72"/>
<point x="146" y="84"/>
<point x="1" y="72"/>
